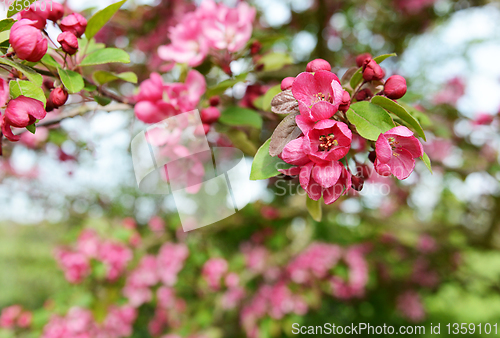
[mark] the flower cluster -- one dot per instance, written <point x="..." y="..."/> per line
<point x="212" y="27"/>
<point x="15" y="317"/>
<point x="157" y="100"/>
<point x="320" y="155"/>
<point x="76" y="263"/>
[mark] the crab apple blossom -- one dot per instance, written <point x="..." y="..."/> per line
<point x="213" y="270"/>
<point x="360" y="59"/>
<point x="328" y="140"/>
<point x="74" y="23"/>
<point x="55" y="11"/>
<point x="58" y="97"/>
<point x="287" y="82"/>
<point x="209" y="115"/>
<point x="69" y="42"/>
<point x="20" y="113"/>
<point x="27" y="41"/>
<point x="35" y="14"/>
<point x="318" y="64"/>
<point x="372" y="71"/>
<point x="396" y="151"/>
<point x="318" y="95"/>
<point x="75" y="265"/>
<point x="395" y="87"/>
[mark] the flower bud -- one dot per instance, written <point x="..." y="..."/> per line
<point x="35" y="14"/>
<point x="27" y="41"/>
<point x="20" y="113"/>
<point x="58" y="97"/>
<point x="372" y="156"/>
<point x="372" y="70"/>
<point x="318" y="64"/>
<point x="364" y="94"/>
<point x="255" y="47"/>
<point x="357" y="182"/>
<point x="360" y="59"/>
<point x="210" y="115"/>
<point x="287" y="82"/>
<point x="346" y="102"/>
<point x="74" y="23"/>
<point x="206" y="128"/>
<point x="56" y="13"/>
<point x="395" y="87"/>
<point x="69" y="42"/>
<point x="214" y="100"/>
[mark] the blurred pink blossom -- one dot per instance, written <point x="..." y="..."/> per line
<point x="410" y="306"/>
<point x="213" y="270"/>
<point x="170" y="261"/>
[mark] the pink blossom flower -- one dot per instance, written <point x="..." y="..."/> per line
<point x="410" y="306"/>
<point x="227" y="28"/>
<point x="170" y="261"/>
<point x="9" y="316"/>
<point x="35" y="140"/>
<point x="144" y="276"/>
<point x="156" y="224"/>
<point x="188" y="44"/>
<point x="232" y="297"/>
<point x="318" y="95"/>
<point x="213" y="270"/>
<point x="25" y="319"/>
<point x="315" y="262"/>
<point x="327" y="141"/>
<point x="27" y="41"/>
<point x="119" y="321"/>
<point x="452" y="92"/>
<point x="21" y="112"/>
<point x="4" y="91"/>
<point x="88" y="243"/>
<point x="115" y="256"/>
<point x="396" y="152"/>
<point x="75" y="265"/>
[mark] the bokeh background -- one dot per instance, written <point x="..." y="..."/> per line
<point x="424" y="250"/>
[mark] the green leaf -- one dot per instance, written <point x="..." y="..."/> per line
<point x="268" y="97"/>
<point x="106" y="55"/>
<point x="28" y="89"/>
<point x="50" y="61"/>
<point x="264" y="166"/>
<point x="18" y="6"/>
<point x="314" y="208"/>
<point x="400" y="112"/>
<point x="224" y="85"/>
<point x="370" y="120"/>
<point x="421" y="117"/>
<point x="238" y="116"/>
<point x="240" y="140"/>
<point x="31" y="128"/>
<point x="88" y="47"/>
<point x="103" y="101"/>
<point x="427" y="161"/>
<point x="6" y="24"/>
<point x="357" y="78"/>
<point x="99" y="19"/>
<point x="71" y="80"/>
<point x="29" y="72"/>
<point x="89" y="86"/>
<point x="102" y="77"/>
<point x="275" y="61"/>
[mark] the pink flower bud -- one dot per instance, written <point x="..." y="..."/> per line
<point x="56" y="13"/>
<point x="69" y="42"/>
<point x="287" y="82"/>
<point x="360" y="59"/>
<point x="214" y="101"/>
<point x="364" y="94"/>
<point x="58" y="97"/>
<point x="210" y="115"/>
<point x="395" y="87"/>
<point x="372" y="70"/>
<point x="27" y="41"/>
<point x="318" y="64"/>
<point x="74" y="23"/>
<point x="35" y="14"/>
<point x="346" y="102"/>
<point x="23" y="111"/>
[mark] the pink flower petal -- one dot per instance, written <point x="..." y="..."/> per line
<point x="383" y="149"/>
<point x="322" y="110"/>
<point x="327" y="175"/>
<point x="305" y="175"/>
<point x="305" y="124"/>
<point x="293" y="171"/>
<point x="402" y="165"/>
<point x="293" y="153"/>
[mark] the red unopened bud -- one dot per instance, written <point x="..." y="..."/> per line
<point x="74" y="23"/>
<point x="214" y="101"/>
<point x="357" y="182"/>
<point x="364" y="94"/>
<point x="255" y="47"/>
<point x="346" y="102"/>
<point x="318" y="64"/>
<point x="372" y="156"/>
<point x="287" y="82"/>
<point x="395" y="87"/>
<point x="372" y="71"/>
<point x="226" y="69"/>
<point x="58" y="97"/>
<point x="209" y="115"/>
<point x="20" y="113"/>
<point x="55" y="11"/>
<point x="69" y="42"/>
<point x="360" y="59"/>
<point x="48" y="83"/>
<point x="35" y="14"/>
<point x="27" y="41"/>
